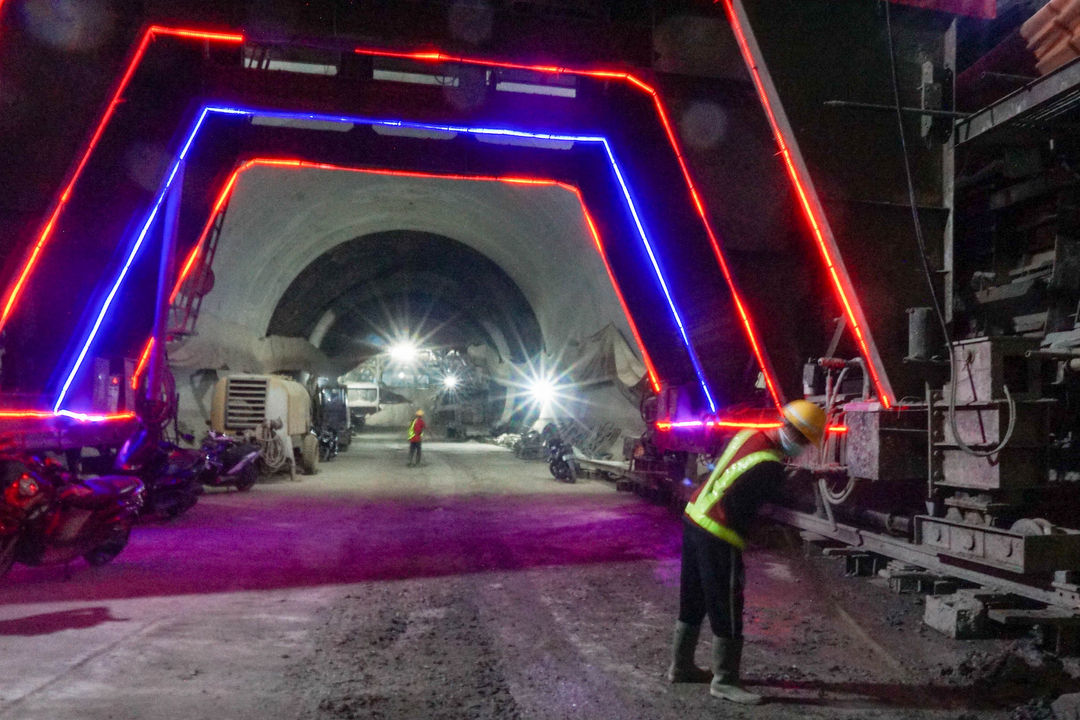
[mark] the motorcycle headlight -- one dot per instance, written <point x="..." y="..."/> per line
<point x="28" y="486"/>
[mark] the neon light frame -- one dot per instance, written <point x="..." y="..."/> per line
<point x="667" y="425"/>
<point x="189" y="141"/>
<point x="230" y="185"/>
<point x="744" y="316"/>
<point x="812" y="209"/>
<point x="236" y="38"/>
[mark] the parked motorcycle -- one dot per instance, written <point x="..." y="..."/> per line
<point x="561" y="461"/>
<point x="171" y="473"/>
<point x="229" y="461"/>
<point x="49" y="516"/>
<point x="329" y="445"/>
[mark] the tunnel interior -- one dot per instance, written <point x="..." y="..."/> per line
<point x="370" y="288"/>
<point x="677" y="303"/>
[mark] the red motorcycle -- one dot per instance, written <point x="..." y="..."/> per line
<point x="49" y="516"/>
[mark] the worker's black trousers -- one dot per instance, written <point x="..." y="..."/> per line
<point x="414" y="453"/>
<point x="711" y="582"/>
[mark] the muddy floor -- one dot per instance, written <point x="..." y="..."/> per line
<point x="474" y="586"/>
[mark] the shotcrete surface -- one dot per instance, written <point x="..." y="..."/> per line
<point x="474" y="586"/>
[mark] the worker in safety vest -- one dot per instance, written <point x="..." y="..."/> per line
<point x="416" y="436"/>
<point x="715" y="524"/>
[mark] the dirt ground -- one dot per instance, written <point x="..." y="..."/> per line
<point x="474" y="586"/>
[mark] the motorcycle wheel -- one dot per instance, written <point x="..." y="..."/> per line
<point x="560" y="469"/>
<point x="182" y="505"/>
<point x="7" y="553"/>
<point x="106" y="551"/>
<point x="247" y="477"/>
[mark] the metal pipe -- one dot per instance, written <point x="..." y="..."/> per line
<point x="892" y="108"/>
<point x="1053" y="354"/>
<point x="161" y="302"/>
<point x="929" y="447"/>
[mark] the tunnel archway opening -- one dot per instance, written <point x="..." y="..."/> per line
<point x="303" y="270"/>
<point x="408" y="282"/>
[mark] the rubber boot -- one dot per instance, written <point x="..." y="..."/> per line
<point x="726" y="657"/>
<point x="683" y="669"/>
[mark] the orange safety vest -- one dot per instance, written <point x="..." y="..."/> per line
<point x="727" y="471"/>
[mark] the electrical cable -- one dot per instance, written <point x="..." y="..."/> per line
<point x="834" y="498"/>
<point x="953" y="376"/>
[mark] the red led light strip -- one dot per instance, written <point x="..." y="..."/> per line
<point x="230" y="186"/>
<point x="150" y="34"/>
<point x="143" y="360"/>
<point x="808" y="209"/>
<point x="731" y="424"/>
<point x="48" y="415"/>
<point x="744" y="315"/>
<point x="154" y="31"/>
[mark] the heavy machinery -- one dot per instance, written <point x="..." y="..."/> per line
<point x="362" y="399"/>
<point x="276" y="410"/>
<point x="950" y="269"/>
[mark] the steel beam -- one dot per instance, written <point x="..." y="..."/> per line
<point x="1038" y="101"/>
<point x="905" y="551"/>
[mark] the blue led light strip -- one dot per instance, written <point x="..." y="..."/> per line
<point x="104" y="309"/>
<point x="252" y="112"/>
<point x="660" y="276"/>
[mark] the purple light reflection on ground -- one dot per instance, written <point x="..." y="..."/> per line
<point x="292" y="541"/>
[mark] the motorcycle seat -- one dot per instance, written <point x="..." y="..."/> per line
<point x="181" y="461"/>
<point x="98" y="492"/>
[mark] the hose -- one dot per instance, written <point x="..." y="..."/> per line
<point x="928" y="274"/>
<point x="836" y="498"/>
<point x="831" y="399"/>
<point x="272" y="449"/>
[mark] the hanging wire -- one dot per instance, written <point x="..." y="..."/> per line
<point x="953" y="375"/>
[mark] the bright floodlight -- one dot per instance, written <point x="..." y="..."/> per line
<point x="542" y="390"/>
<point x="450" y="382"/>
<point x="404" y="351"/>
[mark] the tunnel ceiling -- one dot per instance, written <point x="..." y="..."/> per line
<point x="383" y="285"/>
<point x="335" y="256"/>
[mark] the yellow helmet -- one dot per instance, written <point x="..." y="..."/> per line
<point x="807" y="418"/>
<point x="419" y="413"/>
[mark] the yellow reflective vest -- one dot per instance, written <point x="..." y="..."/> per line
<point x="704" y="508"/>
<point x="416" y="434"/>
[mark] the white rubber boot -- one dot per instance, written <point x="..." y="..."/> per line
<point x="726" y="657"/>
<point x="683" y="669"/>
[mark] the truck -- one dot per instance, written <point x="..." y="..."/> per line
<point x="363" y="400"/>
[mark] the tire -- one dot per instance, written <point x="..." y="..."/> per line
<point x="7" y="553"/>
<point x="106" y="551"/>
<point x="184" y="502"/>
<point x="247" y="478"/>
<point x="560" y="469"/>
<point x="309" y="454"/>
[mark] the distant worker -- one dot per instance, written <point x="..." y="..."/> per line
<point x="717" y="517"/>
<point x="416" y="436"/>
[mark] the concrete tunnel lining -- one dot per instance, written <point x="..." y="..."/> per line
<point x="536" y="234"/>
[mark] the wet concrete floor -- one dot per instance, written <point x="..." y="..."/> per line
<point x="474" y="586"/>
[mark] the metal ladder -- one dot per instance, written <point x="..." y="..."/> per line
<point x="184" y="311"/>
